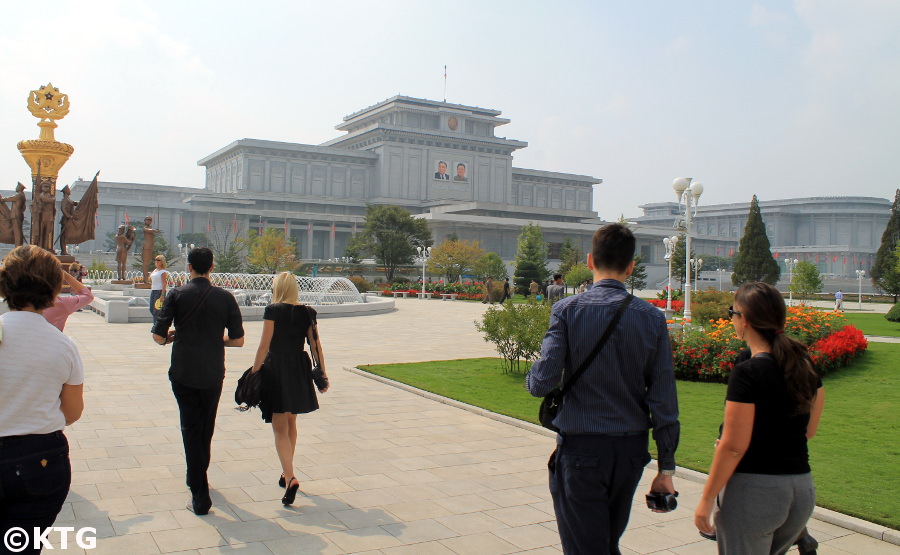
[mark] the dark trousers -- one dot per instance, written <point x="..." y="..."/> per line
<point x="198" y="421"/>
<point x="154" y="294"/>
<point x="35" y="474"/>
<point x="592" y="480"/>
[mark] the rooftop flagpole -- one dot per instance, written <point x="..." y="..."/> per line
<point x="445" y="82"/>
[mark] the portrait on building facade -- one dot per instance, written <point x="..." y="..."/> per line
<point x="441" y="171"/>
<point x="461" y="172"/>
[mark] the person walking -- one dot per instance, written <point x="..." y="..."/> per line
<point x="41" y="392"/>
<point x="604" y="419"/>
<point x="158" y="285"/>
<point x="488" y="292"/>
<point x="773" y="405"/>
<point x="839" y="300"/>
<point x="507" y="294"/>
<point x="287" y="384"/>
<point x="201" y="313"/>
<point x="556" y="290"/>
<point x="534" y="288"/>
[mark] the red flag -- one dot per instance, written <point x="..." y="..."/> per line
<point x="309" y="228"/>
<point x="332" y="230"/>
<point x="854" y="259"/>
<point x="776" y="255"/>
<point x="718" y="250"/>
<point x="181" y="222"/>
<point x="208" y="224"/>
<point x="845" y="260"/>
<point x="234" y="224"/>
<point x="834" y="259"/>
<point x="817" y="257"/>
<point x="731" y="252"/>
<point x="127" y="221"/>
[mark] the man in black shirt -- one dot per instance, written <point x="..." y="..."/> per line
<point x="201" y="313"/>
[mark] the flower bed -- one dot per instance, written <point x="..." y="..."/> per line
<point x="707" y="353"/>
<point x="677" y="306"/>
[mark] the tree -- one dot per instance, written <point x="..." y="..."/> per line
<point x="569" y="256"/>
<point x="390" y="234"/>
<point x="196" y="239"/>
<point x="531" y="257"/>
<point x="228" y="245"/>
<point x="678" y="261"/>
<point x="807" y="281"/>
<point x="231" y="261"/>
<point x="271" y="253"/>
<point x="491" y="266"/>
<point x="884" y="272"/>
<point x="454" y="258"/>
<point x="754" y="260"/>
<point x="638" y="277"/>
<point x="577" y="274"/>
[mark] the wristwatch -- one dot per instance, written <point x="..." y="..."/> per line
<point x="667" y="472"/>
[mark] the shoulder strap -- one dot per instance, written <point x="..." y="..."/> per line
<point x="200" y="301"/>
<point x="606" y="333"/>
<point x="312" y="322"/>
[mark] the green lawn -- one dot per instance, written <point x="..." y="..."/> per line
<point x="873" y="324"/>
<point x="854" y="457"/>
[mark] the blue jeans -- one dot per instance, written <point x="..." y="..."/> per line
<point x="154" y="294"/>
<point x="592" y="480"/>
<point x="35" y="474"/>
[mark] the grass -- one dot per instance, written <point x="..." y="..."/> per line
<point x="873" y="324"/>
<point x="854" y="457"/>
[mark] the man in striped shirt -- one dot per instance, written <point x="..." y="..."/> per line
<point x="605" y="418"/>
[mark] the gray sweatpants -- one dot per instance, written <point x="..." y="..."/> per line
<point x="763" y="514"/>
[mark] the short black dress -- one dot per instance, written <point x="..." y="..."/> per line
<point x="287" y="384"/>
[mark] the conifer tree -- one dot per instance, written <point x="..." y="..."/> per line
<point x="569" y="256"/>
<point x="531" y="257"/>
<point x="638" y="277"/>
<point x="885" y="272"/>
<point x="754" y="260"/>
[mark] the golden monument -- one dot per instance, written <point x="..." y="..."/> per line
<point x="46" y="156"/>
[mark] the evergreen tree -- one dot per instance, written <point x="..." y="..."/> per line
<point x="569" y="256"/>
<point x="754" y="260"/>
<point x="531" y="257"/>
<point x="885" y="273"/>
<point x="638" y="278"/>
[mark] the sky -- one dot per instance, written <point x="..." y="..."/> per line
<point x="774" y="98"/>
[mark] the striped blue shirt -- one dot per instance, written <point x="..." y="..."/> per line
<point x="629" y="387"/>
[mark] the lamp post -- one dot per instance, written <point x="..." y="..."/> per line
<point x="184" y="250"/>
<point x="719" y="272"/>
<point x="424" y="253"/>
<point x="860" y="274"/>
<point x="687" y="191"/>
<point x="670" y="243"/>
<point x="791" y="264"/>
<point x="696" y="264"/>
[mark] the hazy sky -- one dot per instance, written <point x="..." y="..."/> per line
<point x="781" y="99"/>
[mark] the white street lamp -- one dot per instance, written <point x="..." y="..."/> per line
<point x="696" y="265"/>
<point x="670" y="243"/>
<point x="791" y="264"/>
<point x="185" y="250"/>
<point x="859" y="275"/>
<point x="424" y="254"/>
<point x="687" y="191"/>
<point x="719" y="272"/>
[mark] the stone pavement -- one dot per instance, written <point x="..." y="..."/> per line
<point x="382" y="470"/>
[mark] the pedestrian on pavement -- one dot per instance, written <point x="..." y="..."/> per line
<point x="556" y="290"/>
<point x="65" y="305"/>
<point x="507" y="294"/>
<point x="41" y="392"/>
<point x="772" y="407"/>
<point x="603" y="421"/>
<point x="534" y="288"/>
<point x="839" y="300"/>
<point x="158" y="285"/>
<point x="488" y="292"/>
<point x="201" y="313"/>
<point x="287" y="383"/>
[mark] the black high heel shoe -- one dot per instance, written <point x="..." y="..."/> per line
<point x="281" y="480"/>
<point x="291" y="493"/>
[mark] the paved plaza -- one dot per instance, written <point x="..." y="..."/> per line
<point x="382" y="470"/>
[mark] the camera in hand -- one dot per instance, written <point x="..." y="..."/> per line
<point x="663" y="502"/>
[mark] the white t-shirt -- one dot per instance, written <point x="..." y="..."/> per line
<point x="156" y="279"/>
<point x="36" y="359"/>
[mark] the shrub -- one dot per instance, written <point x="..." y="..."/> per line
<point x="361" y="284"/>
<point x="98" y="266"/>
<point x="893" y="314"/>
<point x="664" y="295"/>
<point x="709" y="306"/>
<point x="516" y="330"/>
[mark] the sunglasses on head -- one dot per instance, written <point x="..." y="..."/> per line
<point x="732" y="312"/>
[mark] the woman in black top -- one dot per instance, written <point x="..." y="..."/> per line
<point x="760" y="469"/>
<point x="287" y="386"/>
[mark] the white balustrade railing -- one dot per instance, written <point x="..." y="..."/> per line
<point x="252" y="288"/>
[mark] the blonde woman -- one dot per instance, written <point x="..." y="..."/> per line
<point x="287" y="386"/>
<point x="157" y="283"/>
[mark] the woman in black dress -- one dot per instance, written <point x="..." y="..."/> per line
<point x="287" y="386"/>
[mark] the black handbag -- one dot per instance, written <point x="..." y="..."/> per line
<point x="247" y="394"/>
<point x="552" y="401"/>
<point x="318" y="377"/>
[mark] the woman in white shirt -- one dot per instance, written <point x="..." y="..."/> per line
<point x="41" y="385"/>
<point x="157" y="283"/>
